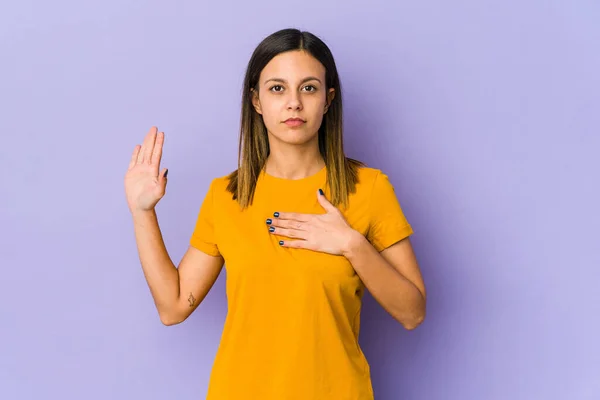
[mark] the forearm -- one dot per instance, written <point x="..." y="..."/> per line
<point x="397" y="295"/>
<point x="160" y="272"/>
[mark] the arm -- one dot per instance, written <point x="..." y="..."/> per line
<point x="392" y="277"/>
<point x="177" y="292"/>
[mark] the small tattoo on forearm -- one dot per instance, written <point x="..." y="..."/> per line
<point x="191" y="299"/>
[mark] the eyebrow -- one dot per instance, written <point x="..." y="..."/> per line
<point x="309" y="78"/>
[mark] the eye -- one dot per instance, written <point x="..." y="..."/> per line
<point x="279" y="88"/>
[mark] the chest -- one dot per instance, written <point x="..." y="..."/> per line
<point x="251" y="252"/>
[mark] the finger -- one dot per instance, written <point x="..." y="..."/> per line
<point x="148" y="145"/>
<point x="158" y="146"/>
<point x="296" y="244"/>
<point x="134" y="156"/>
<point x="290" y="233"/>
<point x="288" y="223"/>
<point x="326" y="204"/>
<point x="292" y="216"/>
<point x="162" y="177"/>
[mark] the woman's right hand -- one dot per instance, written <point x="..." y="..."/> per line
<point x="144" y="185"/>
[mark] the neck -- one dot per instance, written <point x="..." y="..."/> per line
<point x="294" y="162"/>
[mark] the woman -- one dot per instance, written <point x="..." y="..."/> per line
<point x="303" y="230"/>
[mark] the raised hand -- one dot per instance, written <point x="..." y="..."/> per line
<point x="144" y="185"/>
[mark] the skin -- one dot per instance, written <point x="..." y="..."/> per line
<point x="392" y="276"/>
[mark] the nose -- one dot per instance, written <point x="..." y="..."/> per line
<point x="294" y="102"/>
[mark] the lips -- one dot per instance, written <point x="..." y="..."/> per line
<point x="294" y="122"/>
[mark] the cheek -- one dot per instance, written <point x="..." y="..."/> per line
<point x="316" y="116"/>
<point x="270" y="118"/>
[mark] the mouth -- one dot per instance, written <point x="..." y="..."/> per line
<point x="294" y="122"/>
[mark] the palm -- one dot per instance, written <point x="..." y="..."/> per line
<point x="144" y="186"/>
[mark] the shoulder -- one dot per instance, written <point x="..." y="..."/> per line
<point x="374" y="186"/>
<point x="218" y="185"/>
<point x="368" y="174"/>
<point x="369" y="178"/>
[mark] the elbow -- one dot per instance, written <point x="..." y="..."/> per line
<point x="413" y="323"/>
<point x="416" y="318"/>
<point x="169" y="322"/>
<point x="170" y="319"/>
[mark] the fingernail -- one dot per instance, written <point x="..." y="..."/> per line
<point x="321" y="192"/>
<point x="281" y="242"/>
<point x="269" y="221"/>
<point x="271" y="229"/>
<point x="166" y="172"/>
<point x="276" y="214"/>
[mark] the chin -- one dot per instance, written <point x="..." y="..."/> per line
<point x="294" y="136"/>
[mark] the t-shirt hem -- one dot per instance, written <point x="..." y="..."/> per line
<point x="205" y="248"/>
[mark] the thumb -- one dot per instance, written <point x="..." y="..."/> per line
<point x="324" y="202"/>
<point x="162" y="177"/>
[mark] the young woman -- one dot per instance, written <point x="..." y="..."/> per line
<point x="301" y="229"/>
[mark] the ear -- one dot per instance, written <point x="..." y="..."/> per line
<point x="330" y="96"/>
<point x="255" y="100"/>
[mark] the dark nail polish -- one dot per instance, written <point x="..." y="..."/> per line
<point x="276" y="214"/>
<point x="281" y="242"/>
<point x="269" y="221"/>
<point x="271" y="229"/>
<point x="166" y="172"/>
<point x="321" y="192"/>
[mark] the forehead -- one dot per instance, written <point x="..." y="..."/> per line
<point x="293" y="65"/>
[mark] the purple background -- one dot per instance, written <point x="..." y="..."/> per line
<point x="485" y="115"/>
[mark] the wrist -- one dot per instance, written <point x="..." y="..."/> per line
<point x="139" y="214"/>
<point x="354" y="242"/>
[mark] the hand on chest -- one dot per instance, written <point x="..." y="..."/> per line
<point x="249" y="247"/>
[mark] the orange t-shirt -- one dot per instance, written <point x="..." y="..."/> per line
<point x="293" y="320"/>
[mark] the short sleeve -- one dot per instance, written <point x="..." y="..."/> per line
<point x="387" y="222"/>
<point x="203" y="237"/>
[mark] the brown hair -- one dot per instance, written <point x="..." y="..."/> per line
<point x="342" y="172"/>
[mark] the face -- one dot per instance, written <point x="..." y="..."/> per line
<point x="292" y="85"/>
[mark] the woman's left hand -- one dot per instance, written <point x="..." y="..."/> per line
<point x="327" y="233"/>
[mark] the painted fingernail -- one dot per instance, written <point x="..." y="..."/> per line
<point x="321" y="192"/>
<point x="271" y="229"/>
<point x="276" y="214"/>
<point x="269" y="221"/>
<point x="281" y="242"/>
<point x="166" y="172"/>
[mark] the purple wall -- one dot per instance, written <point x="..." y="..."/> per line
<point x="485" y="116"/>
